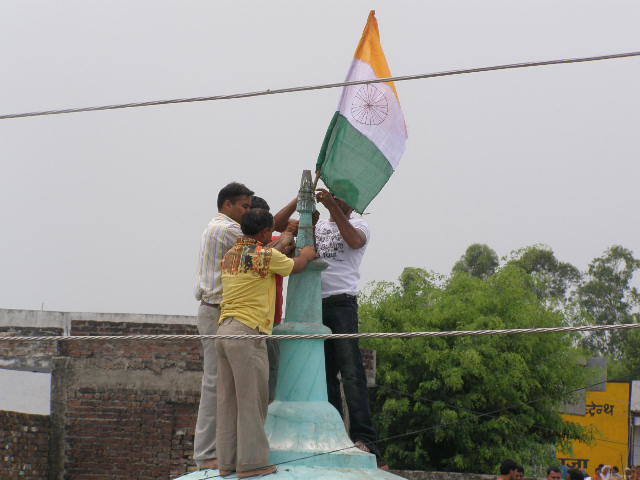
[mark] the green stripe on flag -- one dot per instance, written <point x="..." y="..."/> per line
<point x="351" y="165"/>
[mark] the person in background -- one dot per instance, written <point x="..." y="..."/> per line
<point x="248" y="305"/>
<point x="553" y="473"/>
<point x="575" y="474"/>
<point x="234" y="200"/>
<point x="508" y="470"/>
<point x="520" y="472"/>
<point x="598" y="472"/>
<point x="615" y="473"/>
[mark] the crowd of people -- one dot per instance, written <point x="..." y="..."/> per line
<point x="510" y="470"/>
<point x="239" y="286"/>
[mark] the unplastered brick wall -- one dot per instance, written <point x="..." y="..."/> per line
<point x="21" y="355"/>
<point x="122" y="434"/>
<point x="137" y="354"/>
<point x="24" y="446"/>
<point x="127" y="407"/>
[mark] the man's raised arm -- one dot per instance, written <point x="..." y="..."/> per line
<point x="354" y="237"/>
<point x="281" y="219"/>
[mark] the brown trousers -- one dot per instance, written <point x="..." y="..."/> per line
<point x="204" y="445"/>
<point x="243" y="396"/>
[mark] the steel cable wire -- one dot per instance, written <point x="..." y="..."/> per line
<point x="320" y="336"/>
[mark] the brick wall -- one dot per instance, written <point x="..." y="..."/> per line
<point x="137" y="354"/>
<point x="125" y="435"/>
<point x="24" y="446"/>
<point x="34" y="356"/>
<point x="184" y="421"/>
<point x="129" y="407"/>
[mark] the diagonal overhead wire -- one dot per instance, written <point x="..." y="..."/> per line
<point x="259" y="93"/>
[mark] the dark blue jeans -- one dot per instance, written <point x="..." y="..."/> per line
<point x="340" y="314"/>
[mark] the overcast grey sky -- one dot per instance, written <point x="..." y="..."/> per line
<point x="104" y="211"/>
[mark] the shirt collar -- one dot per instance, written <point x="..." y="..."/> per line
<point x="224" y="217"/>
<point x="247" y="241"/>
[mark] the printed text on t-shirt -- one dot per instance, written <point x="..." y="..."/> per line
<point x="330" y="243"/>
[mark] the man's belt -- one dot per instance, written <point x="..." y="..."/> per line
<point x="339" y="296"/>
<point x="214" y="305"/>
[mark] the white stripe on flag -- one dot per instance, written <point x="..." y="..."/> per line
<point x="374" y="110"/>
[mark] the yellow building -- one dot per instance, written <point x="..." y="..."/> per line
<point x="607" y="414"/>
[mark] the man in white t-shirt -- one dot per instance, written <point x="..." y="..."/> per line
<point x="341" y="242"/>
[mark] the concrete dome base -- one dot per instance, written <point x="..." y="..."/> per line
<point x="295" y="472"/>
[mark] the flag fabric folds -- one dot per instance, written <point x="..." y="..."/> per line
<point x="367" y="135"/>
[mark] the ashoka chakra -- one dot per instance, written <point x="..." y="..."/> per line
<point x="369" y="105"/>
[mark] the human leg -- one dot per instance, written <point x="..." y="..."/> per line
<point x="330" y="363"/>
<point x="273" y="351"/>
<point x="204" y="444"/>
<point x="227" y="409"/>
<point x="348" y="358"/>
<point x="249" y="363"/>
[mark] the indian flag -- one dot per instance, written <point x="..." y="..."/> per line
<point x="367" y="135"/>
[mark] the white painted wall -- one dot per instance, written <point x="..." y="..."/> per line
<point x="635" y="396"/>
<point x="635" y="453"/>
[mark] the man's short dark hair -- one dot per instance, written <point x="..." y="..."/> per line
<point x="231" y="192"/>
<point x="507" y="466"/>
<point x="259" y="202"/>
<point x="256" y="220"/>
<point x="615" y="469"/>
<point x="553" y="469"/>
<point x="575" y="474"/>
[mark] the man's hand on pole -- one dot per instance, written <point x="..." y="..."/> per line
<point x="307" y="254"/>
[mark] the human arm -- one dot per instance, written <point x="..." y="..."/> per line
<point x="354" y="237"/>
<point x="281" y="219"/>
<point x="284" y="244"/>
<point x="285" y="266"/>
<point x="300" y="262"/>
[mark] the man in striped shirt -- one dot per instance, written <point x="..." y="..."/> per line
<point x="234" y="200"/>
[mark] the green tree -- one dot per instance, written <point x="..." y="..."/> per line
<point x="627" y="367"/>
<point x="476" y="399"/>
<point x="479" y="260"/>
<point x="607" y="297"/>
<point x="553" y="281"/>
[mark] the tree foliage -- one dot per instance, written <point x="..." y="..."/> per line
<point x="627" y="365"/>
<point x="479" y="261"/>
<point x="476" y="400"/>
<point x="608" y="297"/>
<point x="553" y="281"/>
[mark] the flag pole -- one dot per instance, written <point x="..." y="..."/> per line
<point x="315" y="184"/>
<point x="315" y="181"/>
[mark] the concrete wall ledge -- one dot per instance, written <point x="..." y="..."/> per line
<point x="36" y="318"/>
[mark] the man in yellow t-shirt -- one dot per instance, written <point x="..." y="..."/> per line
<point x="248" y="304"/>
